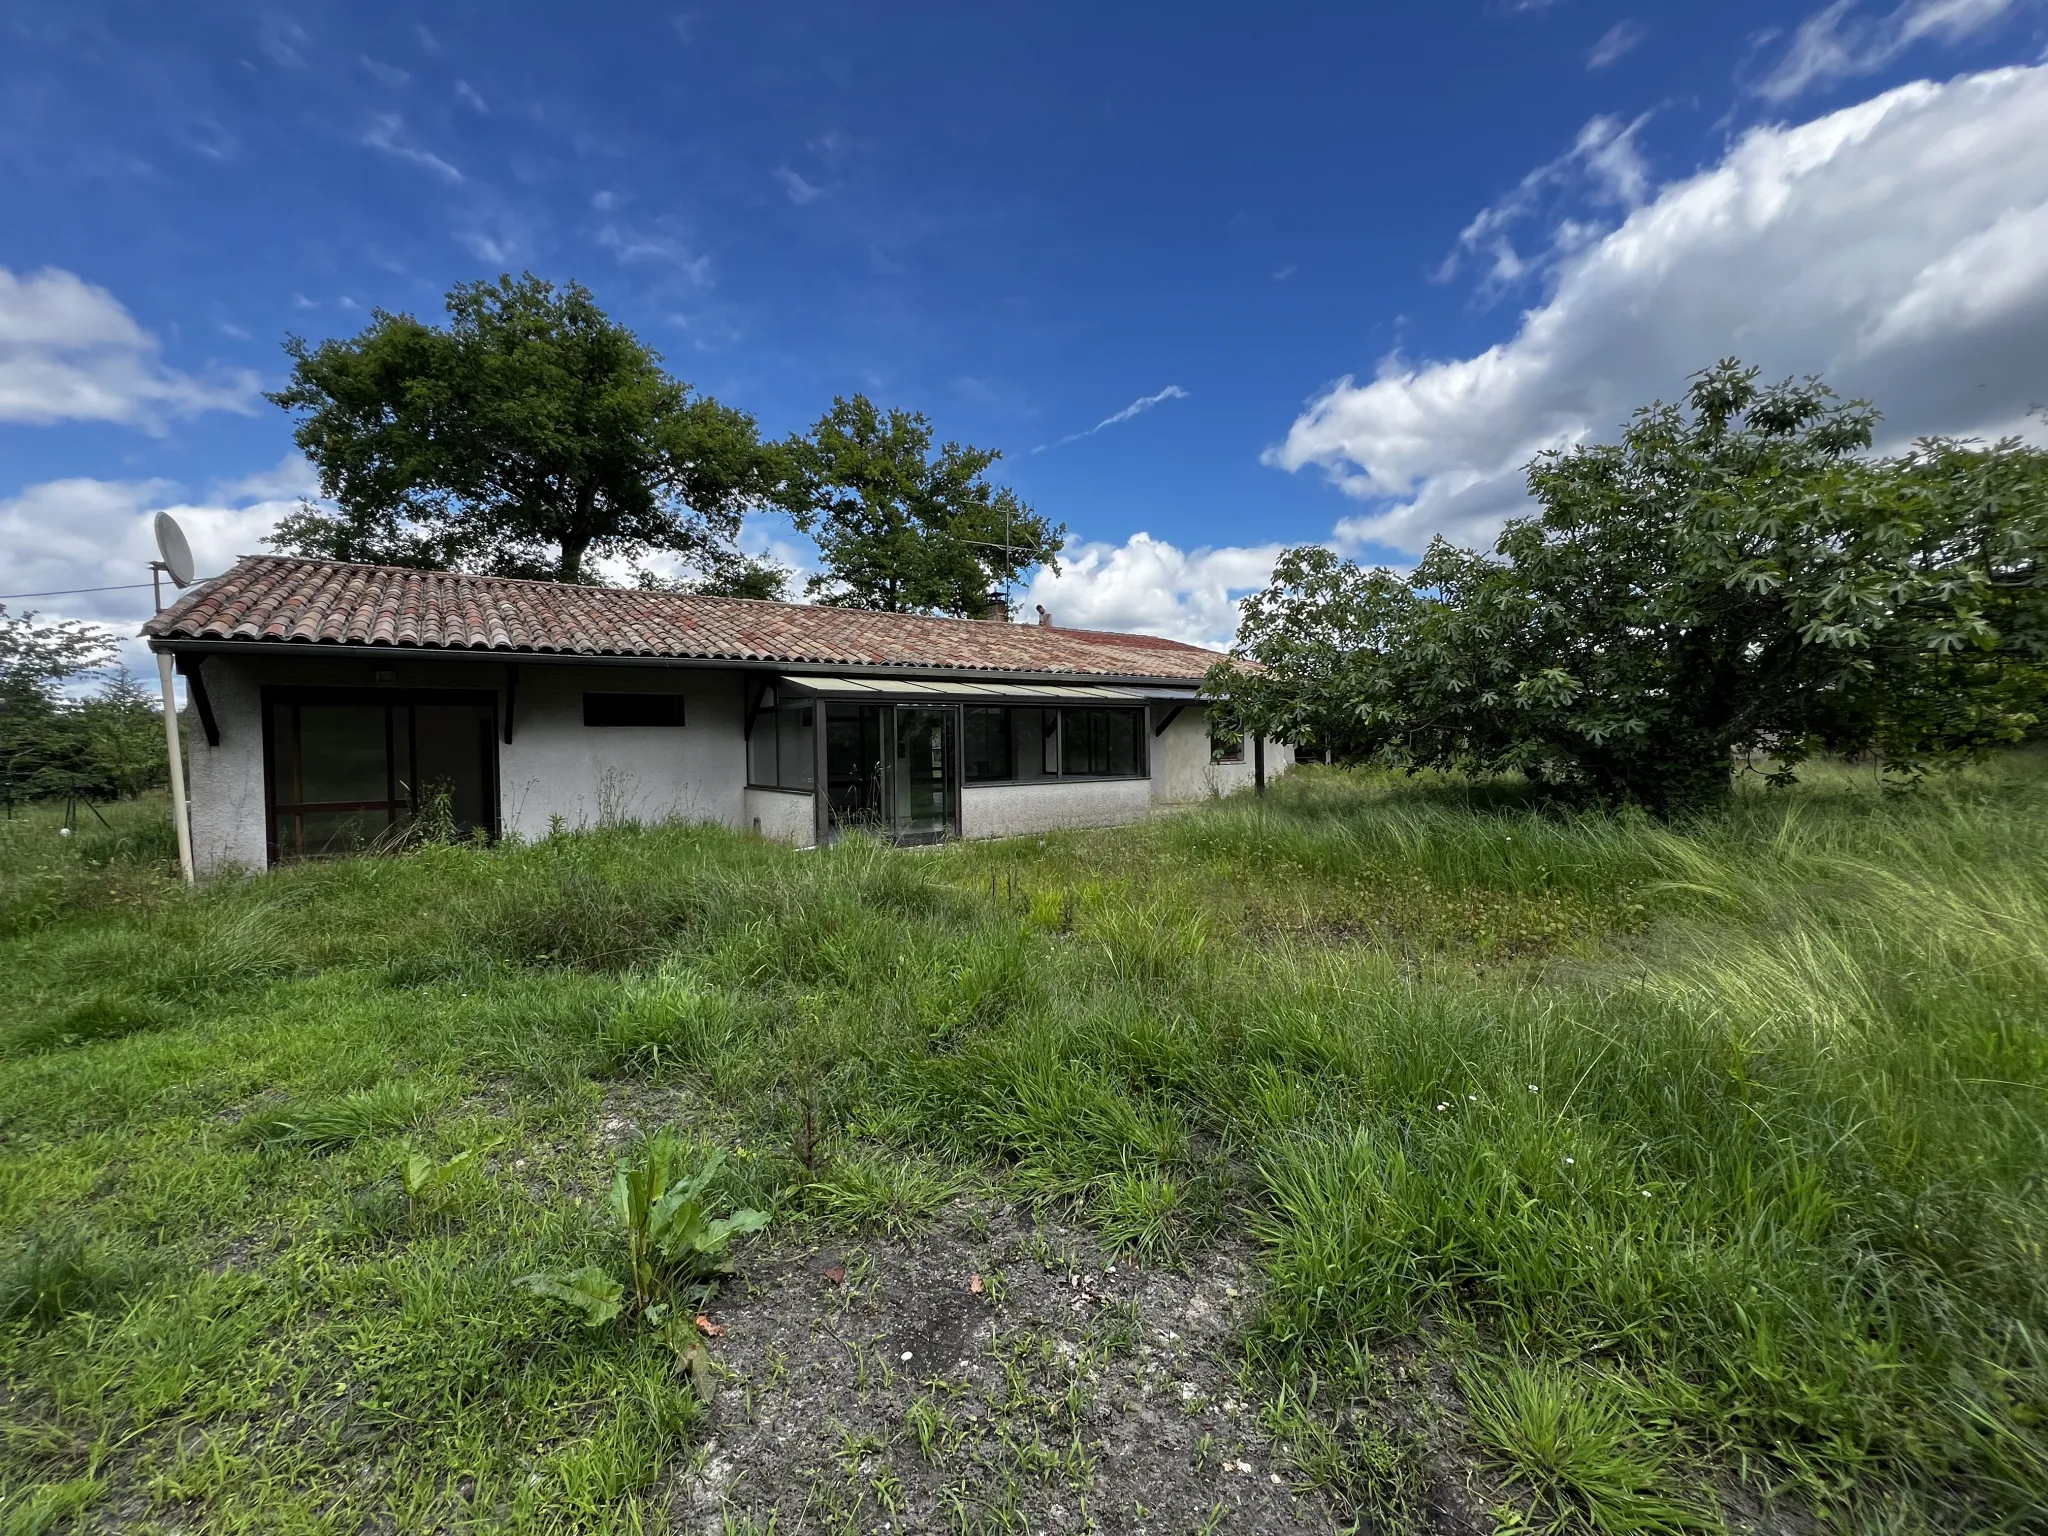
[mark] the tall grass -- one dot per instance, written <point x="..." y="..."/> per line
<point x="1705" y="1155"/>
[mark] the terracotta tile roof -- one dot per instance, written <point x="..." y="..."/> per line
<point x="267" y="599"/>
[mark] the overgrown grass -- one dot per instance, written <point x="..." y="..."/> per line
<point x="1705" y="1161"/>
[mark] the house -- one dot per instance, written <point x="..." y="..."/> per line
<point x="334" y="703"/>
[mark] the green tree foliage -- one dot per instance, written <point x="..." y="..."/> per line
<point x="527" y="436"/>
<point x="107" y="746"/>
<point x="900" y="528"/>
<point x="1735" y="578"/>
<point x="726" y="573"/>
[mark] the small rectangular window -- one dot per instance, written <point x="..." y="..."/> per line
<point x="1225" y="745"/>
<point x="633" y="709"/>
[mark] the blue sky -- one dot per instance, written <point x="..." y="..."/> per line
<point x="1504" y="222"/>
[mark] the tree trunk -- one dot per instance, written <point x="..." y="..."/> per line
<point x="577" y="540"/>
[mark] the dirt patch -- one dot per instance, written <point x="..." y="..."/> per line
<point x="873" y="1388"/>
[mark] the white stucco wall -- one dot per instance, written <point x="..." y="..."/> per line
<point x="1010" y="810"/>
<point x="1181" y="769"/>
<point x="783" y="816"/>
<point x="224" y="784"/>
<point x="589" y="776"/>
<point x="554" y="766"/>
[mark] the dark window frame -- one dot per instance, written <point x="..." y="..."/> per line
<point x="270" y="696"/>
<point x="768" y="718"/>
<point x="1059" y="711"/>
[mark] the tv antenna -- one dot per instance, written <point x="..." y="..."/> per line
<point x="1010" y="552"/>
<point x="176" y="564"/>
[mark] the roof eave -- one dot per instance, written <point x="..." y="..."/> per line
<point x="338" y="650"/>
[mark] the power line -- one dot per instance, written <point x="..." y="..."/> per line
<point x="126" y="586"/>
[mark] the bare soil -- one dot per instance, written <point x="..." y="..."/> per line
<point x="874" y="1388"/>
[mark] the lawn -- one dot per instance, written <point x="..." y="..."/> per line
<point x="1386" y="1151"/>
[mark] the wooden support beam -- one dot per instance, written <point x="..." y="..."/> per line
<point x="754" y="693"/>
<point x="1172" y="715"/>
<point x="202" y="702"/>
<point x="511" y="697"/>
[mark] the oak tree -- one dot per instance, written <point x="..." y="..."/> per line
<point x="528" y="435"/>
<point x="903" y="528"/>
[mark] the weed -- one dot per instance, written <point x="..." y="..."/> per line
<point x="676" y="1251"/>
<point x="103" y="1016"/>
<point x="44" y="1508"/>
<point x="870" y="1190"/>
<point x="323" y="1124"/>
<point x="1739" y="1157"/>
<point x="52" y="1276"/>
<point x="672" y="1022"/>
<point x="424" y="1180"/>
<point x="1571" y="1446"/>
<point x="1139" y="1210"/>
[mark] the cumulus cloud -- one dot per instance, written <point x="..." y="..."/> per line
<point x="1603" y="169"/>
<point x="1151" y="587"/>
<point x="69" y="351"/>
<point x="1900" y="247"/>
<point x="1137" y="407"/>
<point x="80" y="532"/>
<point x="1835" y="43"/>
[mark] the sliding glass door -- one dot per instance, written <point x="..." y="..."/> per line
<point x="893" y="769"/>
<point x="924" y="773"/>
<point x="352" y="770"/>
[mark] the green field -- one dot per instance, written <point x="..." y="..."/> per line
<point x="1593" y="1173"/>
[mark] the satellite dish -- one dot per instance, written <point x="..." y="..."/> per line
<point x="170" y="543"/>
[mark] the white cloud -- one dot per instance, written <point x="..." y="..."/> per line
<point x="1899" y="247"/>
<point x="384" y="74"/>
<point x="1619" y="39"/>
<point x="68" y="534"/>
<point x="282" y="40"/>
<point x="471" y="97"/>
<point x="1603" y="168"/>
<point x="634" y="245"/>
<point x="1137" y="407"/>
<point x="387" y="133"/>
<point x="800" y="191"/>
<point x="1150" y="587"/>
<point x="500" y="248"/>
<point x="1834" y="43"/>
<point x="69" y="351"/>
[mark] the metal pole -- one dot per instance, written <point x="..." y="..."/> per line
<point x="163" y="672"/>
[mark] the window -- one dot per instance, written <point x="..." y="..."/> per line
<point x="988" y="745"/>
<point x="781" y="751"/>
<point x="349" y="771"/>
<point x="633" y="709"/>
<point x="1102" y="743"/>
<point x="1023" y="746"/>
<point x="1225" y="745"/>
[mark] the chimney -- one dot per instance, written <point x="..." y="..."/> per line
<point x="1044" y="617"/>
<point x="996" y="608"/>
